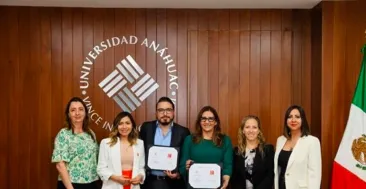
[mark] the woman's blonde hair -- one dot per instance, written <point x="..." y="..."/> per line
<point x="132" y="137"/>
<point x="242" y="141"/>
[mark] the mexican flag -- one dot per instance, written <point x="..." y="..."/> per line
<point x="349" y="167"/>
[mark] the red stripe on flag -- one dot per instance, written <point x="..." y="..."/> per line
<point x="344" y="179"/>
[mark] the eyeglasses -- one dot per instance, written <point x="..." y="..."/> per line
<point x="209" y="119"/>
<point x="167" y="111"/>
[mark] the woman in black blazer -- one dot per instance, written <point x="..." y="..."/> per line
<point x="253" y="159"/>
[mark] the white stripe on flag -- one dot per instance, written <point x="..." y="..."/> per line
<point x="355" y="125"/>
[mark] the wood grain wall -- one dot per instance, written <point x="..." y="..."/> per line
<point x="239" y="61"/>
<point x="343" y="32"/>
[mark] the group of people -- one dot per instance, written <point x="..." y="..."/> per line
<point x="121" y="159"/>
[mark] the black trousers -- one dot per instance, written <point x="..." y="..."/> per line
<point x="153" y="182"/>
<point x="281" y="182"/>
<point x="93" y="185"/>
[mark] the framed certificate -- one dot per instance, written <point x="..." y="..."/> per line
<point x="204" y="175"/>
<point x="163" y="158"/>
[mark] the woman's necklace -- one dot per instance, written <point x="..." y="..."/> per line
<point x="125" y="146"/>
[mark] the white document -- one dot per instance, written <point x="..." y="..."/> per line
<point x="162" y="158"/>
<point x="204" y="175"/>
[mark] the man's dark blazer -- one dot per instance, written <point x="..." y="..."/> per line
<point x="263" y="173"/>
<point x="147" y="134"/>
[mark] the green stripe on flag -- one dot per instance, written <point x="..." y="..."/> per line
<point x="359" y="98"/>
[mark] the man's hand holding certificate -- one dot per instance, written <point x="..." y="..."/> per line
<point x="204" y="175"/>
<point x="162" y="158"/>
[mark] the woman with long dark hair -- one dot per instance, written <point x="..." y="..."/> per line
<point x="121" y="155"/>
<point x="208" y="145"/>
<point x="298" y="156"/>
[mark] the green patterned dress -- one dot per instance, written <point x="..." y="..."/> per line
<point x="80" y="153"/>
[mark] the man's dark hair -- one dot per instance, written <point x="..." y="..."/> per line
<point x="165" y="99"/>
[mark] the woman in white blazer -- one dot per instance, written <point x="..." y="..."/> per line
<point x="297" y="162"/>
<point x="121" y="156"/>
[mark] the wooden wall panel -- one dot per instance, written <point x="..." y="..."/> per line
<point x="110" y="61"/>
<point x="171" y="38"/>
<point x="4" y="144"/>
<point x="244" y="76"/>
<point x="34" y="86"/>
<point x="13" y="67"/>
<point x="119" y="30"/>
<point x="182" y="66"/>
<point x="239" y="61"/>
<point x="234" y="80"/>
<point x="151" y="25"/>
<point x="213" y="67"/>
<point x="276" y="92"/>
<point x="223" y="76"/>
<point x="141" y="56"/>
<point x="202" y="69"/>
<point x="192" y="78"/>
<point x="45" y="102"/>
<point x="265" y="80"/>
<point x="343" y="37"/>
<point x="56" y="80"/>
<point x="233" y="75"/>
<point x="161" y="27"/>
<point x="316" y="70"/>
<point x="26" y="82"/>
<point x="254" y="70"/>
<point x="98" y="66"/>
<point x="130" y="30"/>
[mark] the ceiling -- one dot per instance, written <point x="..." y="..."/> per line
<point x="195" y="4"/>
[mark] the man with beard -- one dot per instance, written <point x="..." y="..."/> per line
<point x="163" y="132"/>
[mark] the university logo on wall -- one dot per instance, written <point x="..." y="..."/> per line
<point x="114" y="85"/>
<point x="128" y="85"/>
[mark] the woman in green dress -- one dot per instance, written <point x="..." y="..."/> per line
<point x="76" y="149"/>
<point x="208" y="145"/>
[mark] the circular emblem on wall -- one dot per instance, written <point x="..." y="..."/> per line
<point x="128" y="85"/>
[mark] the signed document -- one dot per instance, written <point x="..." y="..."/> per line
<point x="162" y="158"/>
<point x="204" y="175"/>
